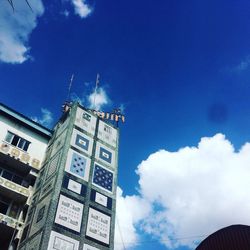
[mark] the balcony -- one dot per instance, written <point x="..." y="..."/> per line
<point x="15" y="156"/>
<point x="10" y="222"/>
<point x="14" y="190"/>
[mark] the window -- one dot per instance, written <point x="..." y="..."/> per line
<point x="107" y="129"/>
<point x="7" y="175"/>
<point x="17" y="141"/>
<point x="4" y="204"/>
<point x="86" y="116"/>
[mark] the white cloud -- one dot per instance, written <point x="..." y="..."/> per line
<point x="130" y="210"/>
<point x="81" y="8"/>
<point x="244" y="65"/>
<point x="46" y="118"/>
<point x="194" y="191"/>
<point x="15" y="29"/>
<point x="94" y="100"/>
<point x="99" y="99"/>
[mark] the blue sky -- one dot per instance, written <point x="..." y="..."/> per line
<point x="180" y="69"/>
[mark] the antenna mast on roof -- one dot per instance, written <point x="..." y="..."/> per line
<point x="96" y="86"/>
<point x="67" y="104"/>
<point x="70" y="85"/>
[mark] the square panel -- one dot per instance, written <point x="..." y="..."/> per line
<point x="59" y="242"/>
<point x="82" y="142"/>
<point x="101" y="199"/>
<point x="103" y="178"/>
<point x="69" y="213"/>
<point x="107" y="133"/>
<point x="85" y="120"/>
<point x="98" y="226"/>
<point x="106" y="155"/>
<point x="77" y="165"/>
<point x="74" y="186"/>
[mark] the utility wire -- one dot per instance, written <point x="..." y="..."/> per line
<point x="118" y="224"/>
<point x="154" y="241"/>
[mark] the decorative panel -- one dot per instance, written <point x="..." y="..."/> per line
<point x="103" y="178"/>
<point x="53" y="166"/>
<point x="105" y="154"/>
<point x="47" y="188"/>
<point x="62" y="126"/>
<point x="107" y="133"/>
<point x="78" y="165"/>
<point x="101" y="199"/>
<point x="69" y="213"/>
<point x="58" y="143"/>
<point x="35" y="242"/>
<point x="98" y="226"/>
<point x="85" y="120"/>
<point x="74" y="186"/>
<point x="40" y="215"/>
<point x="61" y="242"/>
<point x="88" y="247"/>
<point x="82" y="142"/>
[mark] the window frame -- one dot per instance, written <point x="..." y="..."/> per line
<point x="17" y="141"/>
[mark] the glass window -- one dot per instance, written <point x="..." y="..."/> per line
<point x="7" y="175"/>
<point x="15" y="140"/>
<point x="18" y="141"/>
<point x="25" y="183"/>
<point x="14" y="211"/>
<point x="3" y="207"/>
<point x="17" y="179"/>
<point x="9" y="137"/>
<point x="26" y="145"/>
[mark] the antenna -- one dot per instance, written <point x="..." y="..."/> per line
<point x="70" y="85"/>
<point x="96" y="86"/>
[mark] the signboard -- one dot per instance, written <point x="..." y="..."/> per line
<point x="69" y="213"/>
<point x="59" y="241"/>
<point x="98" y="226"/>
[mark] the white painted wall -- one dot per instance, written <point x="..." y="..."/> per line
<point x="38" y="144"/>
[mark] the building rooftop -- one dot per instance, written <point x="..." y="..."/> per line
<point x="25" y="121"/>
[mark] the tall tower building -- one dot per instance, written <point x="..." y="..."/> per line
<point x="74" y="200"/>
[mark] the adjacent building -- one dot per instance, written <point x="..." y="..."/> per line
<point x="62" y="191"/>
<point x="23" y="144"/>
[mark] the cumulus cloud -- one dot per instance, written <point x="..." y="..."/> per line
<point x="194" y="191"/>
<point x="130" y="210"/>
<point x="99" y="99"/>
<point x="243" y="65"/>
<point x="81" y="8"/>
<point x="15" y="29"/>
<point x="94" y="100"/>
<point x="45" y="119"/>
